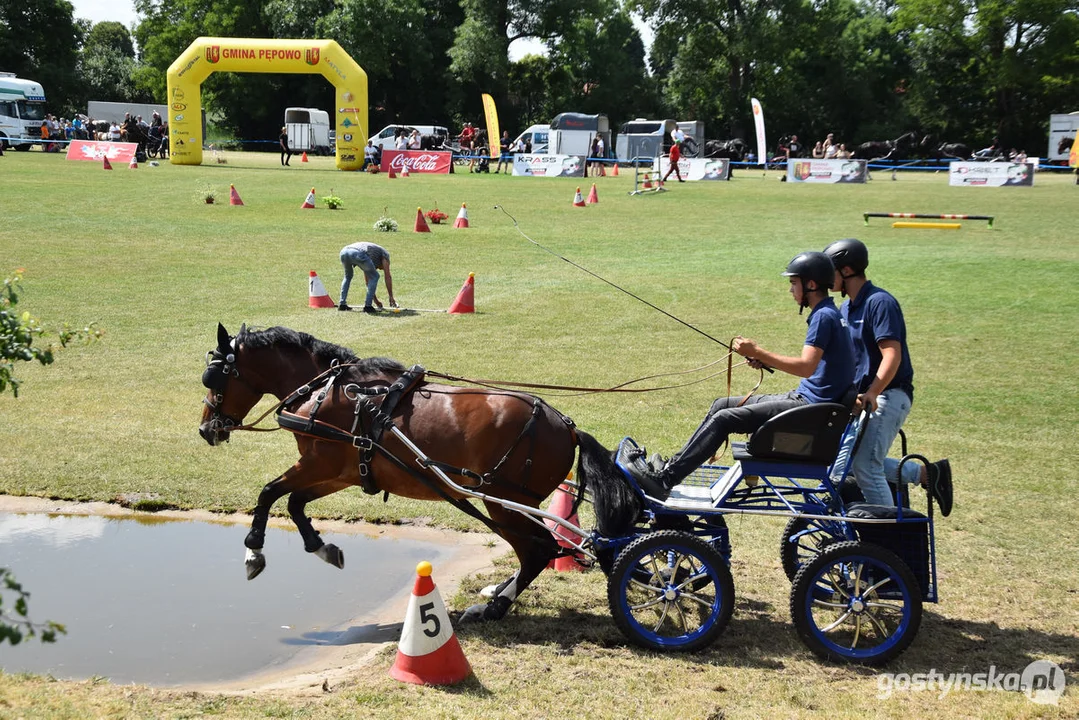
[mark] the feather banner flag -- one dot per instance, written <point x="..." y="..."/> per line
<point x="493" y="134"/>
<point x="1073" y="156"/>
<point x="758" y="121"/>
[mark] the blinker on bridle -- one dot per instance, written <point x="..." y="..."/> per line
<point x="219" y="365"/>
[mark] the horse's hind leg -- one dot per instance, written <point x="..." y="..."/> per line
<point x="312" y="543"/>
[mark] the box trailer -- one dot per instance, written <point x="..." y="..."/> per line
<point x="645" y="138"/>
<point x="308" y="130"/>
<point x="572" y="134"/>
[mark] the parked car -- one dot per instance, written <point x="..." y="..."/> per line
<point x="385" y="137"/>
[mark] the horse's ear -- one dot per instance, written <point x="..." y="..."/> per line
<point x="222" y="336"/>
<point x="243" y="329"/>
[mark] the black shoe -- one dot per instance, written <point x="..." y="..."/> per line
<point x="939" y="479"/>
<point x="343" y="307"/>
<point x="657" y="462"/>
<point x="369" y="310"/>
<point x="651" y="482"/>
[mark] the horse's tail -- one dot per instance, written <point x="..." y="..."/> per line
<point x="616" y="505"/>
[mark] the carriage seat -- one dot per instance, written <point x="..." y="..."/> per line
<point x="808" y="434"/>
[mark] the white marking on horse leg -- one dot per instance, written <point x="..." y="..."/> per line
<point x="489" y="591"/>
<point x="253" y="556"/>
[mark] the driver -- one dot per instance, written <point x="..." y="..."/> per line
<point x="826" y="366"/>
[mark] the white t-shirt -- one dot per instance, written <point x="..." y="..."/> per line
<point x="402" y="142"/>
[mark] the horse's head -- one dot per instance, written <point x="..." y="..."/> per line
<point x="228" y="398"/>
<point x="1064" y="145"/>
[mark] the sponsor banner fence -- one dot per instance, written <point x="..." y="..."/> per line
<point x="696" y="168"/>
<point x="119" y="152"/>
<point x="990" y="174"/>
<point x="807" y="170"/>
<point x="548" y="165"/>
<point x="418" y="161"/>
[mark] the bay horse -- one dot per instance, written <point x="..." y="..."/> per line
<point x="508" y="445"/>
<point x="886" y="149"/>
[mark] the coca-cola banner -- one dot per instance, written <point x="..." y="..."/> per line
<point x="695" y="168"/>
<point x="418" y="161"/>
<point x="548" y="165"/>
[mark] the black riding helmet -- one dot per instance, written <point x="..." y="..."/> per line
<point x="815" y="266"/>
<point x="849" y="252"/>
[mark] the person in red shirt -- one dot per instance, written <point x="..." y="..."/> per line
<point x="675" y="156"/>
<point x="468" y="142"/>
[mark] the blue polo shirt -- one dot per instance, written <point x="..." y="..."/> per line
<point x="834" y="375"/>
<point x="874" y="317"/>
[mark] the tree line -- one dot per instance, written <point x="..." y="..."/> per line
<point x="961" y="70"/>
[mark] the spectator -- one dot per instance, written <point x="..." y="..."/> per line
<point x="468" y="144"/>
<point x="368" y="155"/>
<point x="794" y="148"/>
<point x="414" y="140"/>
<point x="156" y="120"/>
<point x="401" y="141"/>
<point x="504" y="159"/>
<point x="116" y="134"/>
<point x="678" y="136"/>
<point x="818" y="150"/>
<point x="842" y="153"/>
<point x="286" y="151"/>
<point x="1021" y="156"/>
<point x="601" y="152"/>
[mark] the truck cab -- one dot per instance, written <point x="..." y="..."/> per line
<point x="22" y="110"/>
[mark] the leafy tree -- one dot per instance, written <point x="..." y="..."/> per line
<point x="107" y="65"/>
<point x="39" y="39"/>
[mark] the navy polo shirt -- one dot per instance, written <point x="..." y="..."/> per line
<point x="874" y="317"/>
<point x="835" y="371"/>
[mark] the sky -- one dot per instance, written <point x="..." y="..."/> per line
<point x="123" y="11"/>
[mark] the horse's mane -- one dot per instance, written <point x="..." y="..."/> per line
<point x="324" y="351"/>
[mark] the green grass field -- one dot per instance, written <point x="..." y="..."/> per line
<point x="991" y="314"/>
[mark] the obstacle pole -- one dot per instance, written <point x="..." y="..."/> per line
<point x="928" y="225"/>
<point x="926" y="216"/>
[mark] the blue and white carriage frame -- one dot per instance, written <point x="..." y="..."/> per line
<point x="859" y="573"/>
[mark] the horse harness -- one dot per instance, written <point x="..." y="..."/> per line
<point x="372" y="415"/>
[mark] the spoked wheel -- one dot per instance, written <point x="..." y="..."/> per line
<point x="670" y="591"/>
<point x="803" y="539"/>
<point x="856" y="603"/>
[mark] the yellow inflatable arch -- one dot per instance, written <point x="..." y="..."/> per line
<point x="208" y="55"/>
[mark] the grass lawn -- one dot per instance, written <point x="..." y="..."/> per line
<point x="992" y="317"/>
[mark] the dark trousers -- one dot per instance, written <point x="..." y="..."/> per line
<point x="286" y="154"/>
<point x="723" y="418"/>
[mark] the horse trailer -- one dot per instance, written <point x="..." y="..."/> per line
<point x="645" y="138"/>
<point x="308" y="129"/>
<point x="573" y="133"/>
<point x="1061" y="127"/>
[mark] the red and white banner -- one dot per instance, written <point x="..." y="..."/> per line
<point x="418" y="161"/>
<point x="120" y="152"/>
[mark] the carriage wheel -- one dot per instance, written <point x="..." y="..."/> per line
<point x="857" y="603"/>
<point x="670" y="590"/>
<point x="803" y="539"/>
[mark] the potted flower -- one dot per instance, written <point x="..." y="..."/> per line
<point x="386" y="224"/>
<point x="332" y="201"/>
<point x="206" y="193"/>
<point x="436" y="216"/>
<point x="373" y="169"/>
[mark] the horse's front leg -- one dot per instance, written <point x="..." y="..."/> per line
<point x="254" y="560"/>
<point x="312" y="543"/>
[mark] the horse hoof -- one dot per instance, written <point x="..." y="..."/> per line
<point x="474" y="614"/>
<point x="332" y="554"/>
<point x="255" y="562"/>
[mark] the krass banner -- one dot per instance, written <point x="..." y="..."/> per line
<point x="696" y="168"/>
<point x="990" y="174"/>
<point x="118" y="152"/>
<point x="418" y="161"/>
<point x="806" y="170"/>
<point x="548" y="165"/>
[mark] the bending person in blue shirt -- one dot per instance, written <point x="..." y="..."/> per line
<point x="884" y="376"/>
<point x="826" y="366"/>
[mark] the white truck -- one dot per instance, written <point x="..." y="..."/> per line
<point x="308" y="130"/>
<point x="22" y="110"/>
<point x="1061" y="127"/>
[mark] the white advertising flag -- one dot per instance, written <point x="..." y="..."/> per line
<point x="758" y="121"/>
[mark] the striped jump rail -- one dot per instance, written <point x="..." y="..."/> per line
<point x="927" y="216"/>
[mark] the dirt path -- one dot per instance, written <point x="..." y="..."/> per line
<point x="305" y="673"/>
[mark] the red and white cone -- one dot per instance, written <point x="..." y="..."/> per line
<point x="310" y="201"/>
<point x="105" y="164"/>
<point x="317" y="297"/>
<point x="429" y="653"/>
<point x="647" y="182"/>
<point x="562" y="506"/>
<point x="391" y="174"/>
<point x="421" y="221"/>
<point x="462" y="218"/>
<point x="466" y="297"/>
<point x="593" y="196"/>
<point x="578" y="199"/>
<point x="404" y="170"/>
<point x="134" y="164"/>
<point x="234" y="197"/>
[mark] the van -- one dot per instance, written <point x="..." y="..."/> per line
<point x="385" y="137"/>
<point x="539" y="136"/>
<point x="308" y="129"/>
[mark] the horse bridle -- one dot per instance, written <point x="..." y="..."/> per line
<point x="219" y="366"/>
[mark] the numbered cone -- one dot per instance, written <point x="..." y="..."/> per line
<point x="134" y="164"/>
<point x="317" y="297"/>
<point x="462" y="218"/>
<point x="578" y="199"/>
<point x="310" y="201"/>
<point x="428" y="653"/>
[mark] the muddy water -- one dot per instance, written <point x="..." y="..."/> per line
<point x="166" y="602"/>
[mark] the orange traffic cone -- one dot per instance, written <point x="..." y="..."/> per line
<point x="593" y="196"/>
<point x="404" y="170"/>
<point x="234" y="197"/>
<point x="304" y="157"/>
<point x="317" y="297"/>
<point x="391" y="174"/>
<point x="310" y="201"/>
<point x="466" y="298"/>
<point x="562" y="506"/>
<point x="647" y="182"/>
<point x="614" y="170"/>
<point x="134" y="164"/>
<point x="578" y="199"/>
<point x="421" y="221"/>
<point x="429" y="653"/>
<point x="105" y="164"/>
<point x="462" y="218"/>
